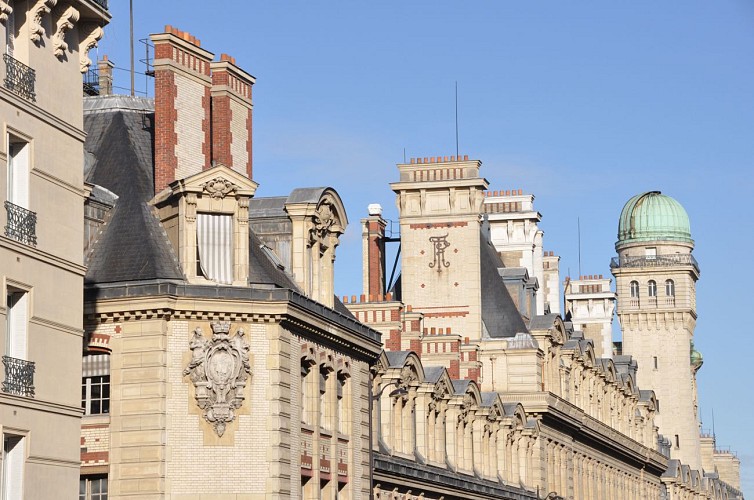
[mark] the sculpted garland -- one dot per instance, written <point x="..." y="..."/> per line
<point x="219" y="369"/>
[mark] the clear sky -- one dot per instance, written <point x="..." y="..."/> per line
<point x="583" y="104"/>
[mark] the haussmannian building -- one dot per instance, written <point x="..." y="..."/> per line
<point x="45" y="49"/>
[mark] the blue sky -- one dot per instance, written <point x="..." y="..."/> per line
<point x="583" y="104"/>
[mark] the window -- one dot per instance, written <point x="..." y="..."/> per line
<point x="93" y="488"/>
<point x="652" y="288"/>
<point x="324" y="407"/>
<point x="14" y="456"/>
<point x="634" y="286"/>
<point x="655" y="362"/>
<point x="21" y="222"/>
<point x="214" y="241"/>
<point x="17" y="304"/>
<point x="677" y="441"/>
<point x="18" y="171"/>
<point x="669" y="288"/>
<point x="650" y="253"/>
<point x="95" y="384"/>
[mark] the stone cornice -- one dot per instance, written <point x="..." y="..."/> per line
<point x="559" y="414"/>
<point x="166" y="299"/>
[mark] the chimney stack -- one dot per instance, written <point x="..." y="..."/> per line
<point x="231" y="115"/>
<point x="373" y="242"/>
<point x="182" y="106"/>
<point x="105" y="72"/>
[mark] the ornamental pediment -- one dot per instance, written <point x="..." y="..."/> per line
<point x="216" y="183"/>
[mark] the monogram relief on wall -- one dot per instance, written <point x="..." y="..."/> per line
<point x="219" y="369"/>
<point x="440" y="244"/>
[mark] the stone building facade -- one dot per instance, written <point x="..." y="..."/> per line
<point x="231" y="369"/>
<point x="466" y="304"/>
<point x="45" y="48"/>
<point x="220" y="365"/>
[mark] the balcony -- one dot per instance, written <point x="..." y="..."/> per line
<point x="669" y="260"/>
<point x="19" y="78"/>
<point x="101" y="3"/>
<point x="21" y="224"/>
<point x="19" y="377"/>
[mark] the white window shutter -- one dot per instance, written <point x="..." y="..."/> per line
<point x="214" y="234"/>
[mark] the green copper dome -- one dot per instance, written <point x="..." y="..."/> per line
<point x="696" y="358"/>
<point x="652" y="216"/>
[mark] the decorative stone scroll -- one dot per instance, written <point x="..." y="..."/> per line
<point x="219" y="369"/>
<point x="219" y="188"/>
<point x="41" y="8"/>
<point x="326" y="225"/>
<point x="65" y="24"/>
<point x="91" y="34"/>
<point x="5" y="11"/>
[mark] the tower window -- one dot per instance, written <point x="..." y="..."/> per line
<point x="669" y="288"/>
<point x="634" y="286"/>
<point x="655" y="362"/>
<point x="650" y="253"/>
<point x="652" y="288"/>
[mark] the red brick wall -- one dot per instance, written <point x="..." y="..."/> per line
<point x="165" y="115"/>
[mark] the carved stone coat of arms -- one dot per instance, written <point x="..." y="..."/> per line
<point x="219" y="369"/>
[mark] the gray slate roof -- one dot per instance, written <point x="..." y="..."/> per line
<point x="133" y="246"/>
<point x="499" y="313"/>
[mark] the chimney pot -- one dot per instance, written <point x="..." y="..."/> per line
<point x="447" y="330"/>
<point x="413" y="160"/>
<point x="465" y="157"/>
<point x="389" y="296"/>
<point x="353" y="299"/>
<point x="362" y="298"/>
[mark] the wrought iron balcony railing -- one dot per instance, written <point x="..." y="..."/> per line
<point x="19" y="78"/>
<point x="668" y="260"/>
<point x="21" y="224"/>
<point x="101" y="3"/>
<point x="19" y="377"/>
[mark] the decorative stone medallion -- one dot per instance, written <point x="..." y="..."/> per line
<point x="219" y="369"/>
<point x="219" y="188"/>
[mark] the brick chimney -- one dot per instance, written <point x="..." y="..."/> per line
<point x="373" y="242"/>
<point x="231" y="115"/>
<point x="105" y="72"/>
<point x="182" y="140"/>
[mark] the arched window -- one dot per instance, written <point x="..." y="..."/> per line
<point x="634" y="289"/>
<point x="652" y="288"/>
<point x="669" y="288"/>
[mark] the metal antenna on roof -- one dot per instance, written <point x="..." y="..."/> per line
<point x="713" y="425"/>
<point x="456" y="118"/>
<point x="131" y="13"/>
<point x="578" y="222"/>
<point x="404" y="155"/>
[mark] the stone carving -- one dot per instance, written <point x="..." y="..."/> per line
<point x="440" y="245"/>
<point x="219" y="188"/>
<point x="5" y="11"/>
<point x="91" y="34"/>
<point x="325" y="222"/>
<point x="218" y="369"/>
<point x="65" y="23"/>
<point x="36" y="30"/>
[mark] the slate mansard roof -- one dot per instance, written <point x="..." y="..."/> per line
<point x="133" y="246"/>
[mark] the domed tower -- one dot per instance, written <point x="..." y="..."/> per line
<point x="655" y="275"/>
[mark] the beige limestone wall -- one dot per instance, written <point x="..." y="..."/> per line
<point x="427" y="288"/>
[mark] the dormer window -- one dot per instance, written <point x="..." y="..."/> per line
<point x="214" y="241"/>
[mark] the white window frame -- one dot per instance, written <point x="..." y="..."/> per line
<point x="17" y="326"/>
<point x="13" y="465"/>
<point x="633" y="288"/>
<point x="88" y="482"/>
<point x="19" y="161"/>
<point x="95" y="372"/>
<point x="652" y="288"/>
